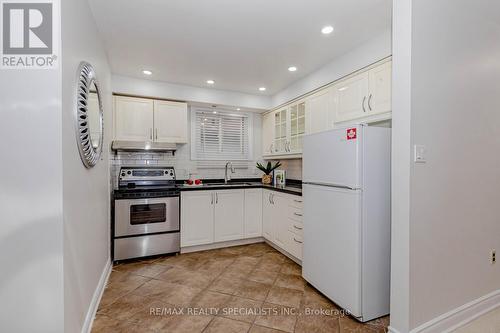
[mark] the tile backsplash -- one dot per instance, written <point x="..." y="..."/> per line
<point x="182" y="163"/>
<point x="184" y="166"/>
<point x="293" y="168"/>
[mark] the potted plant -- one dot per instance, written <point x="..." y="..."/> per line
<point x="267" y="170"/>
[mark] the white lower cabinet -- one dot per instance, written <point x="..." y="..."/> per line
<point x="212" y="216"/>
<point x="267" y="215"/>
<point x="197" y="218"/>
<point x="280" y="207"/>
<point x="209" y="217"/>
<point x="294" y="245"/>
<point x="282" y="221"/>
<point x="253" y="213"/>
<point x="229" y="215"/>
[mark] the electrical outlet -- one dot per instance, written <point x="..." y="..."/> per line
<point x="493" y="257"/>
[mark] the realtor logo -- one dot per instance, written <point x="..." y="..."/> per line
<point x="28" y="34"/>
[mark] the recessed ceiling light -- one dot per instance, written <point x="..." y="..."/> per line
<point x="147" y="72"/>
<point x="238" y="109"/>
<point x="327" y="30"/>
<point x="215" y="112"/>
<point x="262" y="88"/>
<point x="210" y="81"/>
<point x="292" y="69"/>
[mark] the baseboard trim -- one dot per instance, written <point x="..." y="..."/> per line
<point x="285" y="253"/>
<point x="220" y="245"/>
<point x="392" y="330"/>
<point x="96" y="299"/>
<point x="460" y="316"/>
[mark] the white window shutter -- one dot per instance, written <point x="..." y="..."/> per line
<point x="220" y="136"/>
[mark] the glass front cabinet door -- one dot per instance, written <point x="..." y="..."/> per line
<point x="297" y="127"/>
<point x="280" y="131"/>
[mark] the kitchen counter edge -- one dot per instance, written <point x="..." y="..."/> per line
<point x="286" y="189"/>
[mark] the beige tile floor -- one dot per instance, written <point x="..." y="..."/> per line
<point x="250" y="288"/>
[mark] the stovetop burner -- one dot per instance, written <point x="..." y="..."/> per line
<point x="146" y="182"/>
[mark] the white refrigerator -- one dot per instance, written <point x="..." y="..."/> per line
<point x="347" y="217"/>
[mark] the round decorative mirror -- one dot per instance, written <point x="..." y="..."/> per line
<point x="89" y="116"/>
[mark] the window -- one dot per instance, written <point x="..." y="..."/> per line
<point x="220" y="136"/>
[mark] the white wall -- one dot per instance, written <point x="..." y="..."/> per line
<point x="86" y="191"/>
<point x="368" y="53"/>
<point x="149" y="88"/>
<point x="401" y="162"/>
<point x="453" y="198"/>
<point x="31" y="221"/>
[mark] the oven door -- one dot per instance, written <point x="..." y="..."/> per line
<point x="145" y="216"/>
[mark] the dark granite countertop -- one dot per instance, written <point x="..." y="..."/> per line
<point x="292" y="187"/>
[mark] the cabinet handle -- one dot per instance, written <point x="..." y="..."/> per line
<point x="297" y="214"/>
<point x="363" y="104"/>
<point x="297" y="240"/>
<point x="271" y="148"/>
<point x="212" y="202"/>
<point x="272" y="198"/>
<point x="299" y="201"/>
<point x="216" y="198"/>
<point x="156" y="134"/>
<point x="369" y="102"/>
<point x="298" y="228"/>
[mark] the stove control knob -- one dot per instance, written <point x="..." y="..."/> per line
<point x="123" y="174"/>
<point x="129" y="172"/>
<point x="166" y="172"/>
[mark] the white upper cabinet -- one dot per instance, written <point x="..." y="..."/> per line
<point x="297" y="127"/>
<point x="283" y="131"/>
<point x="350" y="98"/>
<point x="133" y="119"/>
<point x="170" y="122"/>
<point x="267" y="133"/>
<point x="380" y="87"/>
<point x="229" y="215"/>
<point x="364" y="95"/>
<point x="142" y="119"/>
<point x="281" y="128"/>
<point x="319" y="111"/>
<point x="360" y="97"/>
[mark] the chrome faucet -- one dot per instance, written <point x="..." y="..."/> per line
<point x="226" y="175"/>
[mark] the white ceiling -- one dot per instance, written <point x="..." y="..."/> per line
<point x="241" y="44"/>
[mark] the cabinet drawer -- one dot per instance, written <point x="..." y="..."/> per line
<point x="294" y="245"/>
<point x="295" y="214"/>
<point x="297" y="202"/>
<point x="296" y="227"/>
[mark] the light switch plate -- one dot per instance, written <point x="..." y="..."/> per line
<point x="420" y="154"/>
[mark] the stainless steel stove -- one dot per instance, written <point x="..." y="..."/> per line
<point x="146" y="213"/>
